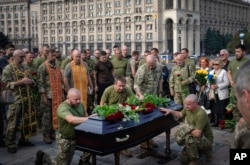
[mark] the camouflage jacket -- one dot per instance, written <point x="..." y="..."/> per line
<point x="179" y="74"/>
<point x="12" y="74"/>
<point x="44" y="80"/>
<point x="148" y="80"/>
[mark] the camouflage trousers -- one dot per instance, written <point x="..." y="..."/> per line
<point x="179" y="97"/>
<point x="233" y="104"/>
<point x="14" y="115"/>
<point x="194" y="146"/>
<point x="47" y="126"/>
<point x="65" y="153"/>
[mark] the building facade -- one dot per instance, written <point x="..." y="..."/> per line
<point x="15" y="23"/>
<point x="140" y="24"/>
<point x="227" y="16"/>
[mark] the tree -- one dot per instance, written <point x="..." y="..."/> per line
<point x="4" y="40"/>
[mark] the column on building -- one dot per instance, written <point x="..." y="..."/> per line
<point x="183" y="4"/>
<point x="175" y="4"/>
<point x="197" y="39"/>
<point x="183" y="36"/>
<point x="175" y="38"/>
<point x="197" y="5"/>
<point x="190" y="38"/>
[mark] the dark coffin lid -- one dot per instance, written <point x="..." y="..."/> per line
<point x="96" y="125"/>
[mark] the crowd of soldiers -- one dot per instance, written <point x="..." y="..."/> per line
<point x="40" y="84"/>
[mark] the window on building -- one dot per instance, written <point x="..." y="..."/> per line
<point x="138" y="36"/>
<point x="127" y="37"/>
<point x="137" y="18"/>
<point x="149" y="26"/>
<point x="138" y="10"/>
<point x="149" y="9"/>
<point x="127" y="10"/>
<point x="60" y="31"/>
<point x="52" y="39"/>
<point x="128" y="27"/>
<point x="109" y="28"/>
<point x="127" y="2"/>
<point x="117" y="11"/>
<point x="99" y="29"/>
<point x="45" y="39"/>
<point x="99" y="37"/>
<point x="68" y="38"/>
<point x="109" y="37"/>
<point x="149" y="36"/>
<point x="117" y="3"/>
<point x="137" y="2"/>
<point x="91" y="38"/>
<point x="82" y="8"/>
<point x="149" y="18"/>
<point x="83" y="38"/>
<point x="149" y="1"/>
<point x="52" y="31"/>
<point x="118" y="28"/>
<point x="118" y="37"/>
<point x="138" y="27"/>
<point x="127" y="19"/>
<point x="108" y="5"/>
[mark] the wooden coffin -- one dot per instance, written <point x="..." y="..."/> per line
<point x="102" y="137"/>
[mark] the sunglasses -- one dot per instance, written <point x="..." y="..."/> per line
<point x="222" y="55"/>
<point x="215" y="64"/>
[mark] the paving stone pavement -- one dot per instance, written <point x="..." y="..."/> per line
<point x="26" y="156"/>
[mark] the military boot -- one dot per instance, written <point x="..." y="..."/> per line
<point x="47" y="139"/>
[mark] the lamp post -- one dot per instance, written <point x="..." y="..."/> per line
<point x="242" y="36"/>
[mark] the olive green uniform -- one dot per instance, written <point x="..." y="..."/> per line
<point x="65" y="138"/>
<point x="233" y="67"/>
<point x="119" y="66"/>
<point x="198" y="119"/>
<point x="110" y="96"/>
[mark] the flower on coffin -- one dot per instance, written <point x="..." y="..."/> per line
<point x="116" y="113"/>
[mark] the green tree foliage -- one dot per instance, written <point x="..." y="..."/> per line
<point x="4" y="40"/>
<point x="236" y="40"/>
<point x="215" y="41"/>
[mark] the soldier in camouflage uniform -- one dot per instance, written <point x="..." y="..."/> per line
<point x="59" y="58"/>
<point x="18" y="80"/>
<point x="91" y="65"/>
<point x="69" y="113"/>
<point x="50" y="87"/>
<point x="148" y="80"/>
<point x="188" y="61"/>
<point x="179" y="80"/>
<point x="132" y="67"/>
<point x="242" y="93"/>
<point x="196" y="134"/>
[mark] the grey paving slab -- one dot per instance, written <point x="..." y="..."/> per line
<point x="26" y="156"/>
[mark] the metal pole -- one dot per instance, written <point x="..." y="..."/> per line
<point x="29" y="26"/>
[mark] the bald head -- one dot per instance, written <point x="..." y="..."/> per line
<point x="17" y="52"/>
<point x="151" y="61"/>
<point x="179" y="60"/>
<point x="192" y="98"/>
<point x="73" y="92"/>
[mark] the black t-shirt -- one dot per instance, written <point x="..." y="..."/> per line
<point x="104" y="72"/>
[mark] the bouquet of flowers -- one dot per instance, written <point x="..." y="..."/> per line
<point x="211" y="80"/>
<point x="147" y="105"/>
<point x="227" y="124"/>
<point x="116" y="113"/>
<point x="201" y="77"/>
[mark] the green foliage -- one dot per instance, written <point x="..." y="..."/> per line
<point x="4" y="40"/>
<point x="133" y="100"/>
<point x="215" y="41"/>
<point x="157" y="101"/>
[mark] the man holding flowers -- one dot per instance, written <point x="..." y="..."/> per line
<point x="180" y="78"/>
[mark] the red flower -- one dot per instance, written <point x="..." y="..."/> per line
<point x="149" y="107"/>
<point x="133" y="107"/>
<point x="34" y="73"/>
<point x="222" y="124"/>
<point x="178" y="74"/>
<point x="124" y="104"/>
<point x="115" y="116"/>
